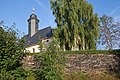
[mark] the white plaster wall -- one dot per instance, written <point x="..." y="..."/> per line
<point x="46" y="41"/>
<point x="35" y="47"/>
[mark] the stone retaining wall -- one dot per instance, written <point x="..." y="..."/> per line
<point x="92" y="62"/>
<point x="83" y="62"/>
<point x="30" y="62"/>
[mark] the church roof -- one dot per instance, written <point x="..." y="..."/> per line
<point x="43" y="33"/>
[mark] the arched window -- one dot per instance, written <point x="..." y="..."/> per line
<point x="47" y="40"/>
<point x="33" y="50"/>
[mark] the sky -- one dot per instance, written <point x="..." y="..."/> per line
<point x="18" y="11"/>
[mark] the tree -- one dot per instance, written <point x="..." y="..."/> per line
<point x="11" y="52"/>
<point x="110" y="32"/>
<point x="77" y="25"/>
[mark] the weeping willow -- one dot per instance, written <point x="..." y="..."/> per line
<point x="77" y="25"/>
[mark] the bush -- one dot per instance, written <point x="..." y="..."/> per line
<point x="17" y="74"/>
<point x="11" y="53"/>
<point x="52" y="64"/>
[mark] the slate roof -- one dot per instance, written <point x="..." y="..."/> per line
<point x="43" y="33"/>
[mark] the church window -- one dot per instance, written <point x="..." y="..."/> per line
<point x="47" y="40"/>
<point x="33" y="50"/>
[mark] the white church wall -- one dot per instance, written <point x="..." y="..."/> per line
<point x="33" y="49"/>
<point x="46" y="41"/>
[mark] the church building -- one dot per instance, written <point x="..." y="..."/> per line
<point x="34" y="35"/>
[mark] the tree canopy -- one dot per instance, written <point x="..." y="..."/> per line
<point x="11" y="52"/>
<point x="77" y="24"/>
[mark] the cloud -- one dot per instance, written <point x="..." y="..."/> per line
<point x="113" y="11"/>
<point x="40" y="3"/>
<point x="117" y="18"/>
<point x="115" y="14"/>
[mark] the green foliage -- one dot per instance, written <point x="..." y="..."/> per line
<point x="55" y="33"/>
<point x="77" y="24"/>
<point x="11" y="52"/>
<point x="31" y="76"/>
<point x="76" y="76"/>
<point x="17" y="74"/>
<point x="41" y="45"/>
<point x="52" y="63"/>
<point x="11" y="49"/>
<point x="109" y="32"/>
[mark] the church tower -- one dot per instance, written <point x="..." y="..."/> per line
<point x="32" y="24"/>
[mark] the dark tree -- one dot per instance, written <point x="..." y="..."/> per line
<point x="109" y="32"/>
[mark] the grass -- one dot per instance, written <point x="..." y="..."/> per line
<point x="91" y="76"/>
<point x="76" y="76"/>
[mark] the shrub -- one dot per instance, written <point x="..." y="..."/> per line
<point x="11" y="53"/>
<point x="52" y="64"/>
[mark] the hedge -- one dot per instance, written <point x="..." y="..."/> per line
<point x="92" y="52"/>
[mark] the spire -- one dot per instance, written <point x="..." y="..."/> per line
<point x="33" y="23"/>
<point x="33" y="10"/>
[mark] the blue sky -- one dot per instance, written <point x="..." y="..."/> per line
<point x="18" y="11"/>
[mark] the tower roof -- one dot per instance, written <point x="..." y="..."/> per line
<point x="33" y="15"/>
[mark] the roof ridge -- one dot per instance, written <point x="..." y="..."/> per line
<point x="45" y="28"/>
